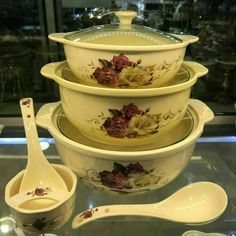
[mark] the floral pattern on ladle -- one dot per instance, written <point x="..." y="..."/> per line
<point x="39" y="191"/>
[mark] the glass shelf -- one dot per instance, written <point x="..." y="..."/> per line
<point x="213" y="160"/>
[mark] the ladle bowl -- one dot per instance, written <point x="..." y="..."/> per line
<point x="195" y="204"/>
<point x="41" y="210"/>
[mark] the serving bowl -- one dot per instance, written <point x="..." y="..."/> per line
<point x="125" y="171"/>
<point x="125" y="54"/>
<point x="181" y="131"/>
<point x="39" y="213"/>
<point x="124" y="117"/>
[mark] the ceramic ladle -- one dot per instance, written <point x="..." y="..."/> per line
<point x="197" y="203"/>
<point x="39" y="174"/>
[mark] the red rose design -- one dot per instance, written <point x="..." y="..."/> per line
<point x="87" y="214"/>
<point x="114" y="179"/>
<point x="130" y="110"/>
<point x="116" y="126"/>
<point x="40" y="191"/>
<point x="106" y="76"/>
<point x="135" y="168"/>
<point x="121" y="61"/>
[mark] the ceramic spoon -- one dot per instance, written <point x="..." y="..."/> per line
<point x="197" y="203"/>
<point x="38" y="173"/>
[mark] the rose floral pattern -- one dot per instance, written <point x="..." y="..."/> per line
<point x="117" y="178"/>
<point x="121" y="72"/>
<point x="40" y="224"/>
<point x="126" y="177"/>
<point x="87" y="214"/>
<point x="130" y="122"/>
<point x="48" y="222"/>
<point x="39" y="191"/>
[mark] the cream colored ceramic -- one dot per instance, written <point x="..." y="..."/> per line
<point x="125" y="54"/>
<point x="181" y="76"/>
<point x="33" y="176"/>
<point x="181" y="131"/>
<point x="197" y="203"/>
<point x="127" y="117"/>
<point x="125" y="171"/>
<point x="199" y="233"/>
<point x="41" y="209"/>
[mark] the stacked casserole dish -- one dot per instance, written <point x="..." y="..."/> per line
<point x="125" y="121"/>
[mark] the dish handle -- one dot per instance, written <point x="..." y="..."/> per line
<point x="199" y="69"/>
<point x="49" y="70"/>
<point x="205" y="113"/>
<point x="187" y="38"/>
<point x="58" y="37"/>
<point x="43" y="117"/>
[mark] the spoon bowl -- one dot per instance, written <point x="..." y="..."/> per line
<point x="195" y="204"/>
<point x="39" y="172"/>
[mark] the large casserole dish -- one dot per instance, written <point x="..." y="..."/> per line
<point x="124" y="117"/>
<point x="125" y="54"/>
<point x="125" y="171"/>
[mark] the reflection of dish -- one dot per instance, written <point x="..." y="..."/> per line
<point x="227" y="63"/>
<point x="182" y="76"/>
<point x="173" y="136"/>
<point x="198" y="233"/>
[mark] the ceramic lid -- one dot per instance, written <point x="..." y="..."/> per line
<point x="123" y="34"/>
<point x="181" y="131"/>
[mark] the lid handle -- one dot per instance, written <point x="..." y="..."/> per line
<point x="125" y="17"/>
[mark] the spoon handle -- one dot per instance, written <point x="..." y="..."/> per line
<point x="27" y="111"/>
<point x="113" y="210"/>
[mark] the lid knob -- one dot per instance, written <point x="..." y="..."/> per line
<point x="125" y="17"/>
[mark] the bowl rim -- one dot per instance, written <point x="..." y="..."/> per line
<point x="54" y="71"/>
<point x="203" y="113"/>
<point x="47" y="209"/>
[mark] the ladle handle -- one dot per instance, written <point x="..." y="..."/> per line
<point x="113" y="210"/>
<point x="27" y="111"/>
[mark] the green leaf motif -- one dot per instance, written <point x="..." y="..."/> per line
<point x="115" y="112"/>
<point x="120" y="167"/>
<point x="104" y="63"/>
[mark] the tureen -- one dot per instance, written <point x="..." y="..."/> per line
<point x="123" y="55"/>
<point x="125" y="117"/>
<point x="125" y="171"/>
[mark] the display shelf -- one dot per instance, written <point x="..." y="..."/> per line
<point x="213" y="160"/>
